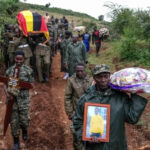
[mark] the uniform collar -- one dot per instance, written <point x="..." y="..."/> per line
<point x="108" y="92"/>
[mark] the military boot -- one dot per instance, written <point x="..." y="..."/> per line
<point x="24" y="134"/>
<point x="16" y="143"/>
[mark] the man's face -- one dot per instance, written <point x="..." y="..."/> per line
<point x="17" y="32"/>
<point x="74" y="39"/>
<point x="19" y="59"/>
<point x="80" y="72"/>
<point x="96" y="111"/>
<point x="102" y="80"/>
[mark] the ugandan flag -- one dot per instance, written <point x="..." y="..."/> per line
<point x="31" y="22"/>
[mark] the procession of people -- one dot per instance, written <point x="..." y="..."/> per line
<point x="29" y="58"/>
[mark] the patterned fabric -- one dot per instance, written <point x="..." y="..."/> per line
<point x="100" y="68"/>
<point x="20" y="115"/>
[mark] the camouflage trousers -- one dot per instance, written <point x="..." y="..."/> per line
<point x="76" y="143"/>
<point x="19" y="119"/>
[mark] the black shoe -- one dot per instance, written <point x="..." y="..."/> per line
<point x="46" y="79"/>
<point x="16" y="143"/>
<point x="24" y="134"/>
<point x="16" y="146"/>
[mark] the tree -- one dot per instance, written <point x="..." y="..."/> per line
<point x="8" y="7"/>
<point x="101" y="18"/>
<point x="47" y="5"/>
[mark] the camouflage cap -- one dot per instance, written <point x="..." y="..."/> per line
<point x="100" y="68"/>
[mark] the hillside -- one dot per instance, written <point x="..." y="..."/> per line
<point x="78" y="18"/>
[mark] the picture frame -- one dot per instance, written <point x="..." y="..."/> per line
<point x="96" y="122"/>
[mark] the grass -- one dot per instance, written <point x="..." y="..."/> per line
<point x="110" y="55"/>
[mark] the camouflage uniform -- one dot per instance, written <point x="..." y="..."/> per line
<point x="24" y="46"/>
<point x="42" y="54"/>
<point x="75" y="54"/>
<point x="5" y="38"/>
<point x="20" y="115"/>
<point x="75" y="89"/>
<point x="55" y="29"/>
<point x="12" y="46"/>
<point x="52" y="39"/>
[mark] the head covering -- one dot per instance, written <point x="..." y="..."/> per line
<point x="100" y="69"/>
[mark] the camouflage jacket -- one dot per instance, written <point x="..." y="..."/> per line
<point x="26" y="74"/>
<point x="75" y="89"/>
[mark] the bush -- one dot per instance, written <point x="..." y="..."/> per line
<point x="129" y="49"/>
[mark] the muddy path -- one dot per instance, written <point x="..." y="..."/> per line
<point x="49" y="126"/>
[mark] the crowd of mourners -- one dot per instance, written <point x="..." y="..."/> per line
<point x="29" y="52"/>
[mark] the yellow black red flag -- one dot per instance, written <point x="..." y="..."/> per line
<point x="32" y="22"/>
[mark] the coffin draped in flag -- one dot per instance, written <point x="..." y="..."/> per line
<point x="31" y="22"/>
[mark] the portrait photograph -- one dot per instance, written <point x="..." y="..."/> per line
<point x="96" y="122"/>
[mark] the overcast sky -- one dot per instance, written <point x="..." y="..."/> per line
<point x="92" y="7"/>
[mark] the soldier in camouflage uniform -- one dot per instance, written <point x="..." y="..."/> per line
<point x="12" y="46"/>
<point x="76" y="87"/>
<point x="55" y="28"/>
<point x="52" y="38"/>
<point x="20" y="114"/>
<point x="76" y="53"/>
<point x="6" y="37"/>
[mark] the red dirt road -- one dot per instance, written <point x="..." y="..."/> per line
<point x="49" y="128"/>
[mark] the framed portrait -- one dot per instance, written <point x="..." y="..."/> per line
<point x="96" y="122"/>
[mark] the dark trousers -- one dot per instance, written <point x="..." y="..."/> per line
<point x="98" y="46"/>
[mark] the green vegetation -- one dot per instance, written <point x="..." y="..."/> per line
<point x="65" y="12"/>
<point x="132" y="29"/>
<point x="10" y="8"/>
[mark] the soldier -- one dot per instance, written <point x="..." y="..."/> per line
<point x="20" y="114"/>
<point x="75" y="54"/>
<point x="63" y="47"/>
<point x="53" y="38"/>
<point x="12" y="46"/>
<point x="124" y="108"/>
<point x="6" y="36"/>
<point x="77" y="85"/>
<point x="24" y="46"/>
<point x="61" y="31"/>
<point x="42" y="54"/>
